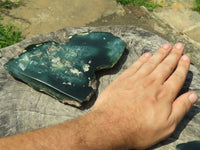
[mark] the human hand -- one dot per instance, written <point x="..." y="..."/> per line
<point x="137" y="110"/>
<point x="141" y="106"/>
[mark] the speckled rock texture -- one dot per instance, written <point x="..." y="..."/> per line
<point x="24" y="109"/>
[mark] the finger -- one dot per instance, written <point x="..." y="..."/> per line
<point x="182" y="105"/>
<point x="134" y="68"/>
<point x="177" y="79"/>
<point x="164" y="69"/>
<point x="150" y="65"/>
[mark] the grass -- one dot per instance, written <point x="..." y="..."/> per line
<point x="146" y="3"/>
<point x="9" y="34"/>
<point x="197" y="8"/>
<point x="9" y="4"/>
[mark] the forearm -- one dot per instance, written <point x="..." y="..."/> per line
<point x="135" y="111"/>
<point x="91" y="131"/>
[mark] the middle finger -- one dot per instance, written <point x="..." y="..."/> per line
<point x="154" y="61"/>
<point x="164" y="69"/>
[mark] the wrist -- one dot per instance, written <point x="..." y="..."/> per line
<point x="96" y="131"/>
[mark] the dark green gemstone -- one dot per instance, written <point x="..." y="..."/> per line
<point x="66" y="71"/>
<point x="194" y="145"/>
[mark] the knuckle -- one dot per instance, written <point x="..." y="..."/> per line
<point x="163" y="93"/>
<point x="141" y="59"/>
<point x="158" y="75"/>
<point x="150" y="62"/>
<point x="149" y="65"/>
<point x="151" y="100"/>
<point x="162" y="52"/>
<point x="149" y="81"/>
<point x="168" y="66"/>
<point x="179" y="76"/>
<point x="176" y="54"/>
<point x="182" y="69"/>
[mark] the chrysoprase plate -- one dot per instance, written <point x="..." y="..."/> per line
<point x="66" y="71"/>
<point x="194" y="145"/>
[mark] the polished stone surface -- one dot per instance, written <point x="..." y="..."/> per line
<point x="194" y="145"/>
<point x="67" y="71"/>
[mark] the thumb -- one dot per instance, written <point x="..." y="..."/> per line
<point x="182" y="105"/>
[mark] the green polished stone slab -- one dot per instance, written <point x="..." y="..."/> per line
<point x="67" y="71"/>
<point x="194" y="145"/>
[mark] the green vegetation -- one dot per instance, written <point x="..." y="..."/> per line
<point x="9" y="34"/>
<point x="197" y="8"/>
<point x="146" y="3"/>
<point x="9" y="4"/>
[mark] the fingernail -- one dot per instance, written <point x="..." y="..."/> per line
<point x="148" y="55"/>
<point x="179" y="46"/>
<point x="166" y="46"/>
<point x="193" y="98"/>
<point x="185" y="58"/>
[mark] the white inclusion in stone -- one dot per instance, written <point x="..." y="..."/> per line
<point x="86" y="67"/>
<point x="84" y="33"/>
<point x="75" y="71"/>
<point x="68" y="64"/>
<point x="22" y="66"/>
<point x="25" y="58"/>
<point x="52" y="48"/>
<point x="56" y="60"/>
<point x="69" y="83"/>
<point x="23" y="63"/>
<point x="38" y="45"/>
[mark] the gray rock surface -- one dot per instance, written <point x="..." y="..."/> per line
<point x="23" y="109"/>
